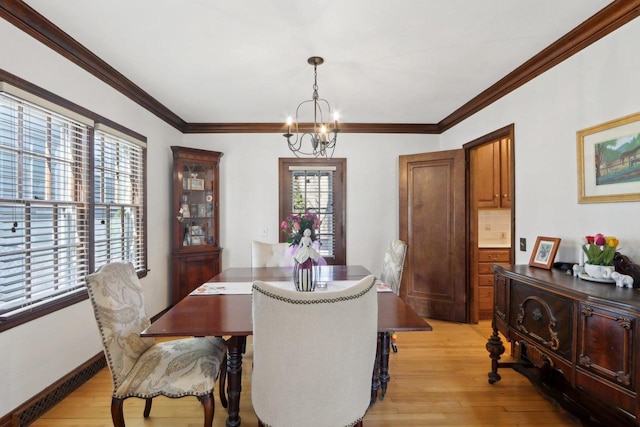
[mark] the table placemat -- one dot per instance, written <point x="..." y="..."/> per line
<point x="244" y="288"/>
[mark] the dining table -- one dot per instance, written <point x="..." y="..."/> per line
<point x="222" y="307"/>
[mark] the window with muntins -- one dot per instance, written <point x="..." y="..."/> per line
<point x="118" y="226"/>
<point x="58" y="177"/>
<point x="318" y="186"/>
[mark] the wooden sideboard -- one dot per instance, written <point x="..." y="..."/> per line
<point x="576" y="340"/>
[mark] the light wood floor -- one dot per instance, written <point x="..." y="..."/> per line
<point x="438" y="378"/>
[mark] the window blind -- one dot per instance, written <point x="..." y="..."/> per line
<point x="44" y="187"/>
<point x="119" y="198"/>
<point x="313" y="188"/>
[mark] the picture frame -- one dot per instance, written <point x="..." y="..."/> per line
<point x="544" y="252"/>
<point x="609" y="161"/>
<point x="185" y="210"/>
<point x="196" y="230"/>
<point x="196" y="184"/>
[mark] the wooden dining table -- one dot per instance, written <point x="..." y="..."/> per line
<point x="230" y="316"/>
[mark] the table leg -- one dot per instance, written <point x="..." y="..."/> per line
<point x="385" y="345"/>
<point x="235" y="348"/>
<point x="375" y="379"/>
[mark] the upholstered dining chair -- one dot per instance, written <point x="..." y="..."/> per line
<point x="271" y="254"/>
<point x="141" y="367"/>
<point x="391" y="273"/>
<point x="393" y="264"/>
<point x="313" y="355"/>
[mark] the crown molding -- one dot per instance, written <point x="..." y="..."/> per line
<point x="415" y="128"/>
<point x="31" y="22"/>
<point x="607" y="20"/>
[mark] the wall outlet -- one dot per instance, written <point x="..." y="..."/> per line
<point x="523" y="244"/>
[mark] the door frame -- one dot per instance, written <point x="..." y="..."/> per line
<point x="505" y="132"/>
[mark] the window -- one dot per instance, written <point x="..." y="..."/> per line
<point x="318" y="185"/>
<point x="118" y="226"/>
<point x="57" y="174"/>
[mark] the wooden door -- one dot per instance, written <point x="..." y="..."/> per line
<point x="432" y="222"/>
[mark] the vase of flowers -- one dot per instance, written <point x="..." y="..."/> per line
<point x="294" y="225"/>
<point x="599" y="251"/>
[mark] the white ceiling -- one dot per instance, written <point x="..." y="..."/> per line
<point x="405" y="61"/>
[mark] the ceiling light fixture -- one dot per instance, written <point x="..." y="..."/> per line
<point x="321" y="144"/>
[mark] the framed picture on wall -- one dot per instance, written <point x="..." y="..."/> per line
<point x="544" y="252"/>
<point x="609" y="161"/>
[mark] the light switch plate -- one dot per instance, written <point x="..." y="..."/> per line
<point x="523" y="244"/>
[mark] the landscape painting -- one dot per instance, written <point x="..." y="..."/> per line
<point x="609" y="161"/>
<point x="618" y="160"/>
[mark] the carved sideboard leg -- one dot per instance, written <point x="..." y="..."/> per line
<point x="496" y="349"/>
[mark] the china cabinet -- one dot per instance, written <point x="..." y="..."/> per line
<point x="194" y="210"/>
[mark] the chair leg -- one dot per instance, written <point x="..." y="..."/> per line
<point x="147" y="407"/>
<point x="222" y="382"/>
<point x="209" y="409"/>
<point x="116" y="412"/>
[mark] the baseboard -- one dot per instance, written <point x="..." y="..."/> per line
<point x="35" y="407"/>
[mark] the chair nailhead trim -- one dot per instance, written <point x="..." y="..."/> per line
<point x="317" y="301"/>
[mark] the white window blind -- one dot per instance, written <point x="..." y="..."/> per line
<point x="44" y="187"/>
<point x="312" y="187"/>
<point x="119" y="198"/>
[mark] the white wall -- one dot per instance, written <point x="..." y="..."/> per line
<point x="597" y="85"/>
<point x="592" y="87"/>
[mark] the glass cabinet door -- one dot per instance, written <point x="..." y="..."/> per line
<point x="196" y="205"/>
<point x="195" y="198"/>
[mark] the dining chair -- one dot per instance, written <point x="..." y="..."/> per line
<point x="391" y="273"/>
<point x="141" y="367"/>
<point x="313" y="354"/>
<point x="271" y="254"/>
<point x="393" y="265"/>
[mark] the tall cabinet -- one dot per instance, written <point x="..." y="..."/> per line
<point x="195" y="237"/>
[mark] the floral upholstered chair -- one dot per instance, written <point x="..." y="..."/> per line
<point x="140" y="367"/>
<point x="313" y="355"/>
<point x="393" y="264"/>
<point x="391" y="274"/>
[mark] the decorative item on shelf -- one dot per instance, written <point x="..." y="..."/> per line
<point x="622" y="280"/>
<point x="599" y="252"/>
<point x="321" y="144"/>
<point x="627" y="267"/>
<point x="305" y="269"/>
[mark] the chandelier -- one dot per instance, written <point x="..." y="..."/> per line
<point x="313" y="139"/>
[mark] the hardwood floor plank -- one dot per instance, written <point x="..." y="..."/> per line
<point x="438" y="379"/>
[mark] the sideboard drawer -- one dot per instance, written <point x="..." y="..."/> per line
<point x="544" y="317"/>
